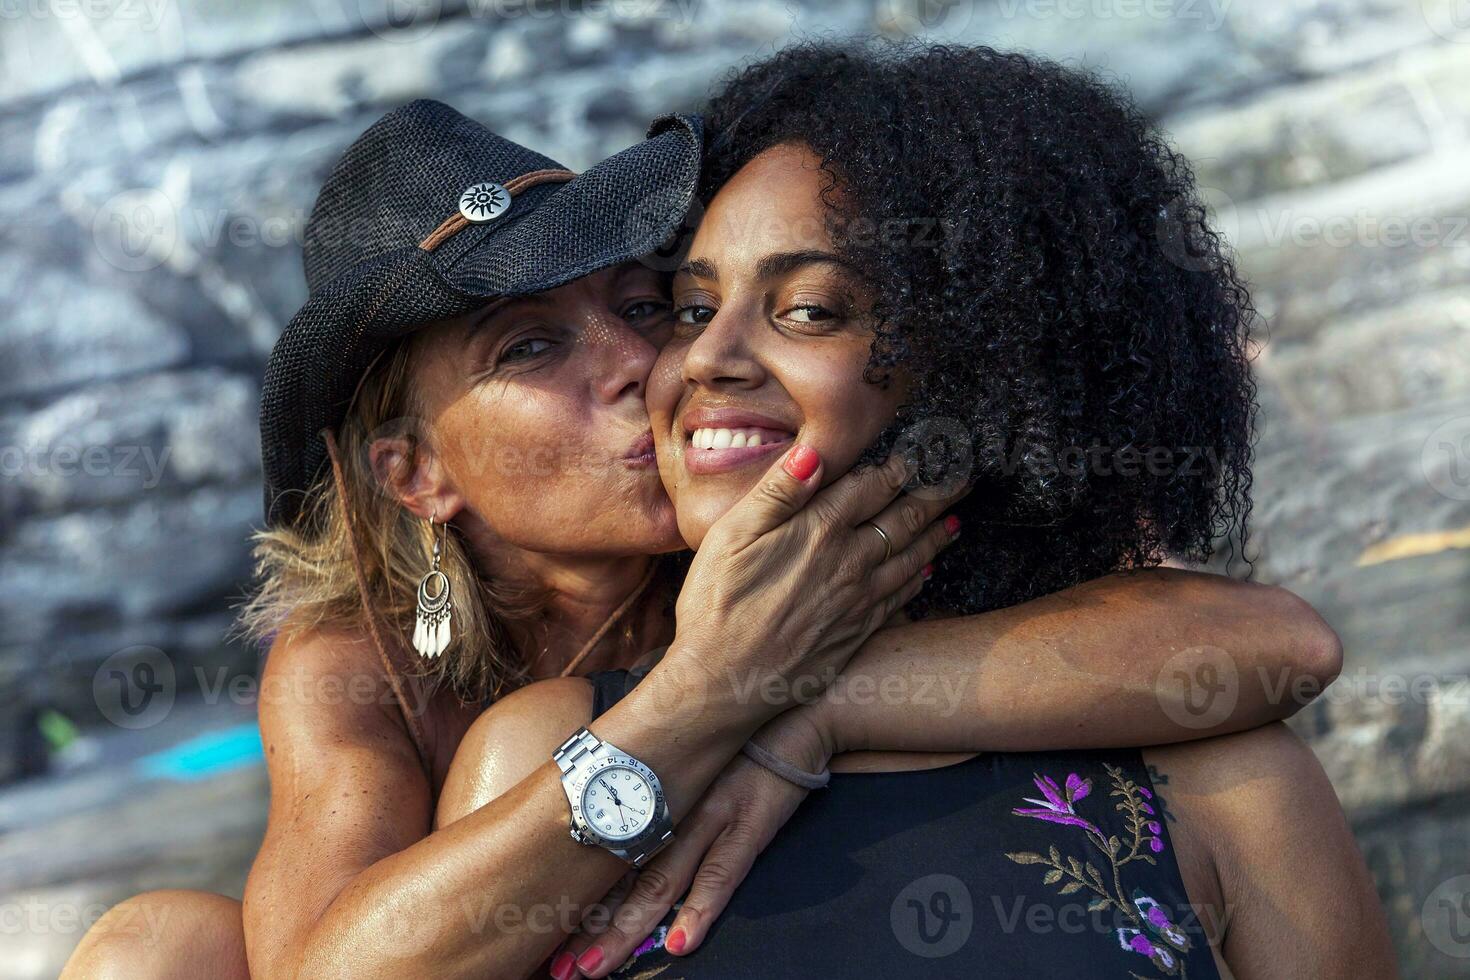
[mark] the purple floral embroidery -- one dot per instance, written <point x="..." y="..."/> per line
<point x="1151" y="933"/>
<point x="1058" y="808"/>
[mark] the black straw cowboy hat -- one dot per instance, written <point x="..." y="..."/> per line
<point x="427" y="216"/>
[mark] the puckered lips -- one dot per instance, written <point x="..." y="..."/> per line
<point x="640" y="453"/>
<point x="718" y="440"/>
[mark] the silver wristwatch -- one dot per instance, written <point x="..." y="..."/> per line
<point x="617" y="802"/>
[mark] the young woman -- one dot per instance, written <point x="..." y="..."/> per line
<point x="521" y="348"/>
<point x="1054" y="317"/>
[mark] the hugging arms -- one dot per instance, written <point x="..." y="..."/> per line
<point x="348" y="864"/>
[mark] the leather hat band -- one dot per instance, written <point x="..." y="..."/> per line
<point x="457" y="221"/>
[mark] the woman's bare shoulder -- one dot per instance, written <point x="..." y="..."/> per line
<point x="1259" y="809"/>
<point x="1229" y="787"/>
<point x="510" y="740"/>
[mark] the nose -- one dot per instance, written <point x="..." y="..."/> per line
<point x="623" y="359"/>
<point x="721" y="355"/>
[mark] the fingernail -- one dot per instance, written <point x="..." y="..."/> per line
<point x="589" y="959"/>
<point x="561" y="967"/>
<point x="952" y="525"/>
<point x="928" y="571"/>
<point x="675" y="943"/>
<point x="802" y="462"/>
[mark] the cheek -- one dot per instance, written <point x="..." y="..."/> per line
<point x="539" y="470"/>
<point x="843" y="413"/>
<point x="666" y="386"/>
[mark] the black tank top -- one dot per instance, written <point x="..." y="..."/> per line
<point x="1034" y="865"/>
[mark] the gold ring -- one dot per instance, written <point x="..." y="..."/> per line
<point x="887" y="541"/>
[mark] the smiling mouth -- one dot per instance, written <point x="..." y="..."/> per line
<point x="717" y="450"/>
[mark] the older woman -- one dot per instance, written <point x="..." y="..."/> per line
<point x="461" y="497"/>
<point x="1055" y="318"/>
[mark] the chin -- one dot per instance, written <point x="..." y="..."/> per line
<point x="699" y="512"/>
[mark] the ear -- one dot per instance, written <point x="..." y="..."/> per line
<point x="409" y="471"/>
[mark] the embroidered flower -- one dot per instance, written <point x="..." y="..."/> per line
<point x="1059" y="804"/>
<point x="1150" y="933"/>
<point x="1161" y="956"/>
<point x="1159" y="927"/>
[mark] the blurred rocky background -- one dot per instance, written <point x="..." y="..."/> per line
<point x="158" y="159"/>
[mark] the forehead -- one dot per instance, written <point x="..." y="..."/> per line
<point x="772" y="204"/>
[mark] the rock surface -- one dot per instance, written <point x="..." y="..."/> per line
<point x="158" y="161"/>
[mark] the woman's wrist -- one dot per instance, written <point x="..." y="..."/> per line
<point x="799" y="737"/>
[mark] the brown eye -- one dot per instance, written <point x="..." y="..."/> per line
<point x="694" y="314"/>
<point x="524" y="349"/>
<point x="645" y="309"/>
<point x="810" y="314"/>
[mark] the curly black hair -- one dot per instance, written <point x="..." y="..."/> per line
<point x="1045" y="274"/>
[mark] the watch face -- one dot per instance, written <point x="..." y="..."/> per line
<point x="618" y="803"/>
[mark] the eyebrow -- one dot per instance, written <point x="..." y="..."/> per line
<point x="770" y="266"/>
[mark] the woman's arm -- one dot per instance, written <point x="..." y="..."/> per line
<point x="1138" y="658"/>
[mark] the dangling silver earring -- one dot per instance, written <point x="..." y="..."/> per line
<point x="431" y="631"/>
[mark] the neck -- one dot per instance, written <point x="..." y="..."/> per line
<point x="580" y="594"/>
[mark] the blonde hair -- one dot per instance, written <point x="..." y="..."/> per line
<point x="307" y="580"/>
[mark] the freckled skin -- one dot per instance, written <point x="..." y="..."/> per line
<point x="533" y="443"/>
<point x="753" y="353"/>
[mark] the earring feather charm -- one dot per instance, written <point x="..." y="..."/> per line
<point x="431" y="631"/>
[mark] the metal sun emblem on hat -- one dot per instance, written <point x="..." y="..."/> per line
<point x="484" y="202"/>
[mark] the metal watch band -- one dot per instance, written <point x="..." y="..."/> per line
<point x="581" y="743"/>
<point x="653" y="848"/>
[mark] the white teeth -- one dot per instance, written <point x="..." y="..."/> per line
<point x="725" y="438"/>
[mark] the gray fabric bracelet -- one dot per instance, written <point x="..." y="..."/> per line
<point x="784" y="769"/>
